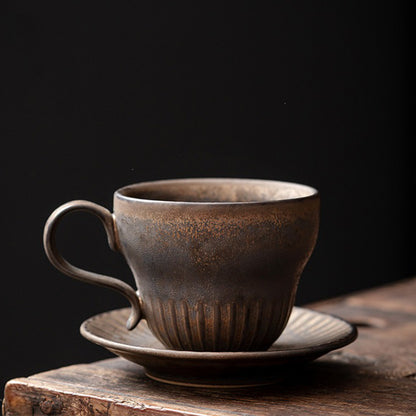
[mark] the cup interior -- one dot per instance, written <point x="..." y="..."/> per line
<point x="216" y="190"/>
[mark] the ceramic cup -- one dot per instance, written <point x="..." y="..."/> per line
<point x="216" y="261"/>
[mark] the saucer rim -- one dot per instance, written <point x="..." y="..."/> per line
<point x="344" y="340"/>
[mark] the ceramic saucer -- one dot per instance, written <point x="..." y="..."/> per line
<point x="308" y="335"/>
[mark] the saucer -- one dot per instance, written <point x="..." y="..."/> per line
<point x="308" y="335"/>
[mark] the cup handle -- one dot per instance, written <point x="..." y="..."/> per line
<point x="49" y="242"/>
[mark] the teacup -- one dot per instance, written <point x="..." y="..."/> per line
<point x="216" y="261"/>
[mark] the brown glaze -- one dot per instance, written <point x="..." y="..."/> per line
<point x="308" y="335"/>
<point x="216" y="261"/>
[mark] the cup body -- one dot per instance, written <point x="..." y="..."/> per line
<point x="216" y="261"/>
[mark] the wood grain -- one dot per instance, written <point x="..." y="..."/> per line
<point x="374" y="375"/>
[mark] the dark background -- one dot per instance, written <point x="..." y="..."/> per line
<point x="98" y="95"/>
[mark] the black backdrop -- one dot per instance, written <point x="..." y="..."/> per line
<point x="99" y="95"/>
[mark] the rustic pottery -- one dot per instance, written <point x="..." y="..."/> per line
<point x="308" y="335"/>
<point x="216" y="261"/>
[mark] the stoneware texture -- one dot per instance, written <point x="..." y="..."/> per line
<point x="216" y="261"/>
<point x="308" y="335"/>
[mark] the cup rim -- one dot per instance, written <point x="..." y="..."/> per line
<point x="120" y="193"/>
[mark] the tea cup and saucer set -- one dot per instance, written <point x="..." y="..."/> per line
<point x="216" y="264"/>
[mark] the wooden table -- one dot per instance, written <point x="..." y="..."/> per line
<point x="374" y="375"/>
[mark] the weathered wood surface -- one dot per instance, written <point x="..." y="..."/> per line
<point x="374" y="375"/>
